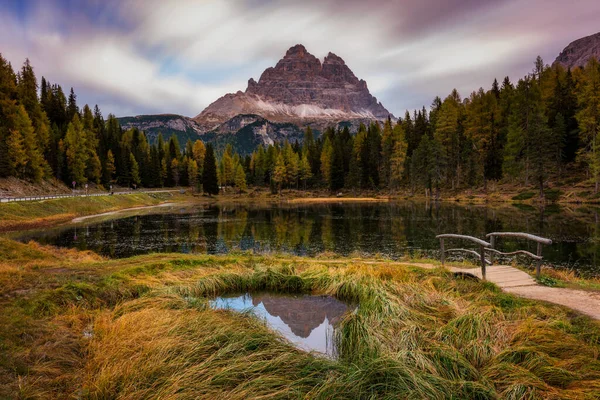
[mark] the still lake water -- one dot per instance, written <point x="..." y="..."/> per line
<point x="389" y="229"/>
<point x="309" y="322"/>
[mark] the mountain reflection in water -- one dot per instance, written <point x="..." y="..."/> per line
<point x="307" y="321"/>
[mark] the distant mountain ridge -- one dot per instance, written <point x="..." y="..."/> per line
<point x="168" y="124"/>
<point x="579" y="52"/>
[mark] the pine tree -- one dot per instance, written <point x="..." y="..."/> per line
<point x="17" y="157"/>
<point x="135" y="170"/>
<point x="72" y="108"/>
<point x="398" y="157"/>
<point x="226" y="167"/>
<point x="326" y="161"/>
<point x="240" y="178"/>
<point x="192" y="171"/>
<point x="209" y="175"/>
<point x="110" y="167"/>
<point x="588" y="115"/>
<point x="305" y="170"/>
<point x="76" y="151"/>
<point x="36" y="165"/>
<point x="175" y="171"/>
<point x="279" y="172"/>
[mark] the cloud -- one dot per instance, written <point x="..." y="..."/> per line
<point x="154" y="56"/>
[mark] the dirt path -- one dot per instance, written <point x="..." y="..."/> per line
<point x="511" y="280"/>
<point x="80" y="219"/>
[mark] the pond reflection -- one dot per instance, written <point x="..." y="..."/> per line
<point x="390" y="229"/>
<point x="307" y="321"/>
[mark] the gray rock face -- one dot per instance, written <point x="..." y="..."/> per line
<point x="302" y="90"/>
<point x="578" y="53"/>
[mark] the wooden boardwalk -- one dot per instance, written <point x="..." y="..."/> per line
<point x="502" y="275"/>
<point x="520" y="283"/>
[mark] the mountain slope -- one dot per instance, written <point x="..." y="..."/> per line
<point x="301" y="90"/>
<point x="577" y="53"/>
<point x="167" y="124"/>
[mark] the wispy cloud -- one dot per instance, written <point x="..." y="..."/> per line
<point x="154" y="56"/>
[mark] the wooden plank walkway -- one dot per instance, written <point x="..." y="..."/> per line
<point x="520" y="283"/>
<point x="504" y="276"/>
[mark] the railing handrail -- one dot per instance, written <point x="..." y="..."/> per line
<point x="464" y="237"/>
<point x="521" y="235"/>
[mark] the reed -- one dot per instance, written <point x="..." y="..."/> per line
<point x="142" y="328"/>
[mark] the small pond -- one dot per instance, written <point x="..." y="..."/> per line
<point x="309" y="322"/>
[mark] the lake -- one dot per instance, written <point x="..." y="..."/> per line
<point x="388" y="229"/>
<point x="309" y="322"/>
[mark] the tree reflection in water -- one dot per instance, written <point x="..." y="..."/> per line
<point x="390" y="229"/>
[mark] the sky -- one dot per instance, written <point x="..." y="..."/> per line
<point x="136" y="57"/>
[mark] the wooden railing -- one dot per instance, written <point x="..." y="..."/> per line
<point x="540" y="242"/>
<point x="489" y="247"/>
<point x="481" y="255"/>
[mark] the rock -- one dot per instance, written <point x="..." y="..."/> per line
<point x="578" y="53"/>
<point x="301" y="90"/>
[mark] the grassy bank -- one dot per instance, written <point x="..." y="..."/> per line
<point x="35" y="214"/>
<point x="73" y="324"/>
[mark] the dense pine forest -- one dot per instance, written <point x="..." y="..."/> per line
<point x="540" y="130"/>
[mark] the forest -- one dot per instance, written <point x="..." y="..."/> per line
<point x="542" y="130"/>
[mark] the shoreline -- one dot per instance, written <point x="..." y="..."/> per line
<point x="115" y="212"/>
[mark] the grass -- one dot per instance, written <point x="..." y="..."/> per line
<point x="73" y="324"/>
<point x="32" y="214"/>
<point x="523" y="196"/>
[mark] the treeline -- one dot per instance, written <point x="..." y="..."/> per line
<point x="547" y="125"/>
<point x="44" y="134"/>
<point x="544" y="126"/>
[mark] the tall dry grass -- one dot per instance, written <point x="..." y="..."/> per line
<point x="142" y="328"/>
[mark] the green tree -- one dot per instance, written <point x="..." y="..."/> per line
<point x="135" y="170"/>
<point x="397" y="157"/>
<point x="110" y="166"/>
<point x="305" y="170"/>
<point x="280" y="172"/>
<point x="209" y="175"/>
<point x="240" y="178"/>
<point x="192" y="172"/>
<point x="588" y="115"/>
<point x="326" y="161"/>
<point x="76" y="150"/>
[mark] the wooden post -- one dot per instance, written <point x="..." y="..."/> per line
<point x="482" y="249"/>
<point x="492" y="243"/>
<point x="442" y="256"/>
<point x="538" y="267"/>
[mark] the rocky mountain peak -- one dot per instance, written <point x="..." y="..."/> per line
<point x="579" y="52"/>
<point x="300" y="89"/>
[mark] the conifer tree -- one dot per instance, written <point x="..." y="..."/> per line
<point x="110" y="167"/>
<point x="192" y="171"/>
<point x="209" y="175"/>
<point x="588" y="116"/>
<point x="398" y="157"/>
<point x="135" y="170"/>
<point x="326" y="161"/>
<point x="76" y="151"/>
<point x="240" y="178"/>
<point x="305" y="170"/>
<point x="279" y="172"/>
